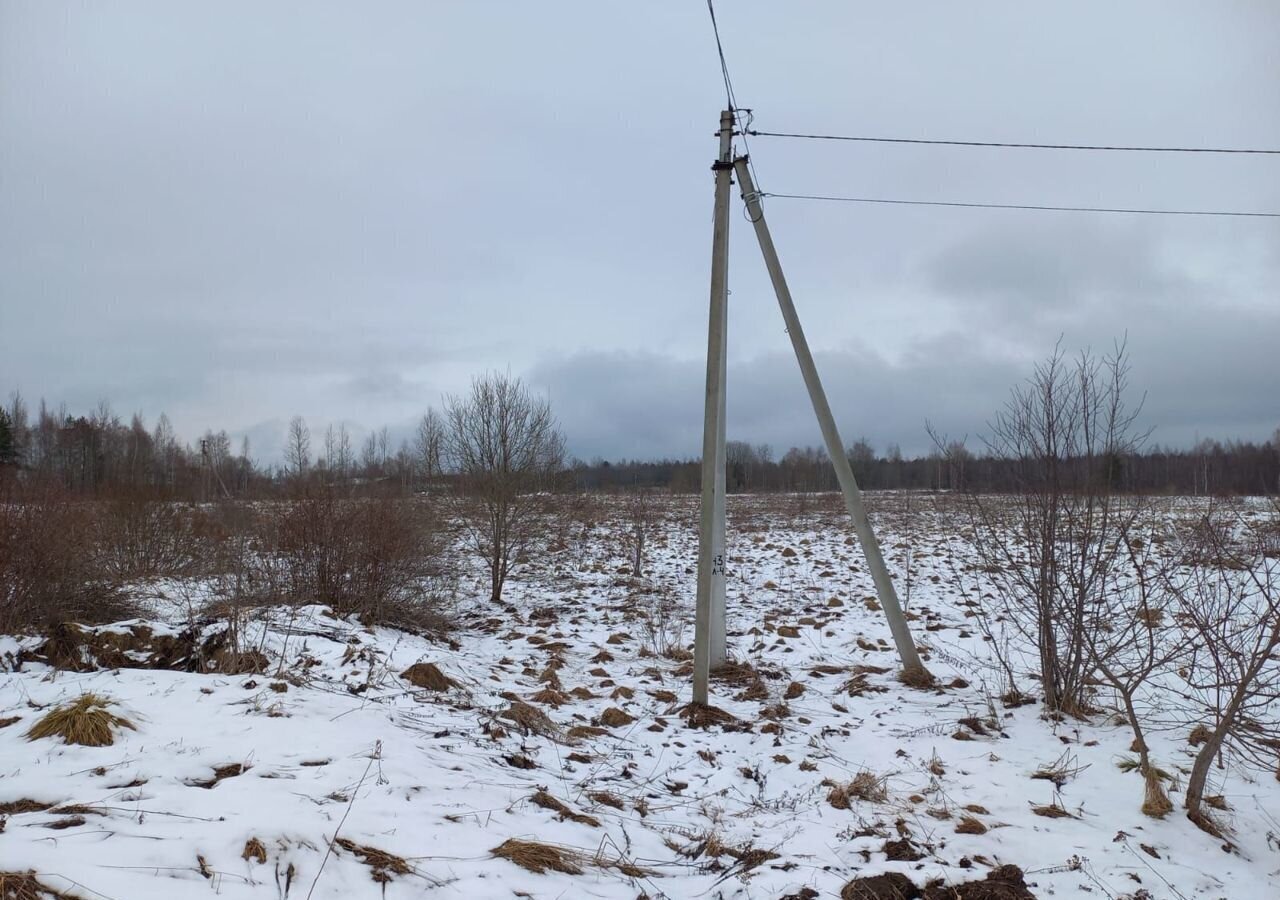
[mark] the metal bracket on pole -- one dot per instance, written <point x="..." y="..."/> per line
<point x="914" y="671"/>
<point x="709" y="639"/>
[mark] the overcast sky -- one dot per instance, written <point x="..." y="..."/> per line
<point x="238" y="212"/>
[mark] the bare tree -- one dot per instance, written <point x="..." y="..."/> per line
<point x="504" y="447"/>
<point x="297" y="451"/>
<point x="428" y="442"/>
<point x="641" y="511"/>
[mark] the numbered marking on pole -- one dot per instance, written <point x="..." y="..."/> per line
<point x="717" y="564"/>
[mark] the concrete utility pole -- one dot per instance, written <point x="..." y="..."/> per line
<point x="913" y="669"/>
<point x="708" y="638"/>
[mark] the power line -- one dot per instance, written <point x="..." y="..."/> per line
<point x="724" y="66"/>
<point x="1094" y="209"/>
<point x="893" y="140"/>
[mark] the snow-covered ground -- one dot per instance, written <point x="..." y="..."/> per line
<point x="287" y="784"/>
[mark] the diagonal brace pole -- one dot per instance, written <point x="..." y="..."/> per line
<point x="913" y="670"/>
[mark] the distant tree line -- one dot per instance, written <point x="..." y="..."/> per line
<point x="1210" y="467"/>
<point x="99" y="453"/>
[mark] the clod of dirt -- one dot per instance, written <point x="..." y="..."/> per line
<point x="1001" y="883"/>
<point x="538" y="858"/>
<point x="890" y="886"/>
<point x="231" y="770"/>
<point x="902" y="851"/>
<point x="700" y="715"/>
<point x="73" y="648"/>
<point x="428" y="677"/>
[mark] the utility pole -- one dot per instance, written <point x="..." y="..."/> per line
<point x="709" y="640"/>
<point x="913" y="670"/>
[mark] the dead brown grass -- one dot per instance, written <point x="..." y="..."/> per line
<point x="87" y="721"/>
<point x="382" y="864"/>
<point x="253" y="849"/>
<point x="539" y="858"/>
<point x="562" y="809"/>
<point x="532" y="720"/>
<point x="1156" y="802"/>
<point x="428" y="677"/>
<point x="25" y="886"/>
<point x="866" y="786"/>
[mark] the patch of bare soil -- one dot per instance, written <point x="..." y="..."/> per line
<point x="1001" y="883"/>
<point x="72" y="648"/>
<point x="890" y="886"/>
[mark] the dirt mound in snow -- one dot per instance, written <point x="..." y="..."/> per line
<point x="891" y="886"/>
<point x="77" y="649"/>
<point x="1001" y="883"/>
<point x="428" y="677"/>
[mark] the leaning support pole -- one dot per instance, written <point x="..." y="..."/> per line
<point x="913" y="670"/>
<point x="711" y="557"/>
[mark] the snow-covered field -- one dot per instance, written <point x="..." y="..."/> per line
<point x="295" y="783"/>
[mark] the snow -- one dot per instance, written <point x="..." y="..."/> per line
<point x="348" y="749"/>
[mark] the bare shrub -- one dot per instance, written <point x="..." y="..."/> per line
<point x="49" y="570"/>
<point x="371" y="557"/>
<point x="1054" y="551"/>
<point x="143" y="535"/>
<point x="1229" y="613"/>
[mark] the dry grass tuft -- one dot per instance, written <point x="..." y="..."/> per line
<point x="539" y="858"/>
<point x="532" y="720"/>
<point x="1052" y="811"/>
<point x="866" y="786"/>
<point x="1156" y="802"/>
<point x="381" y="863"/>
<point x="25" y="886"/>
<point x="970" y="825"/>
<point x="920" y="678"/>
<point x="86" y="721"/>
<point x="546" y="801"/>
<point x="606" y="798"/>
<point x="13" y="807"/>
<point x="253" y="849"/>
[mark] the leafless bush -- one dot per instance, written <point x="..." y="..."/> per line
<point x="142" y="535"/>
<point x="1134" y="646"/>
<point x="641" y="512"/>
<point x="662" y="628"/>
<point x="1055" y="550"/>
<point x="49" y="570"/>
<point x="1230" y="619"/>
<point x="372" y="557"/>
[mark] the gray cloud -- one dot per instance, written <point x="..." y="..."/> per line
<point x="235" y="212"/>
